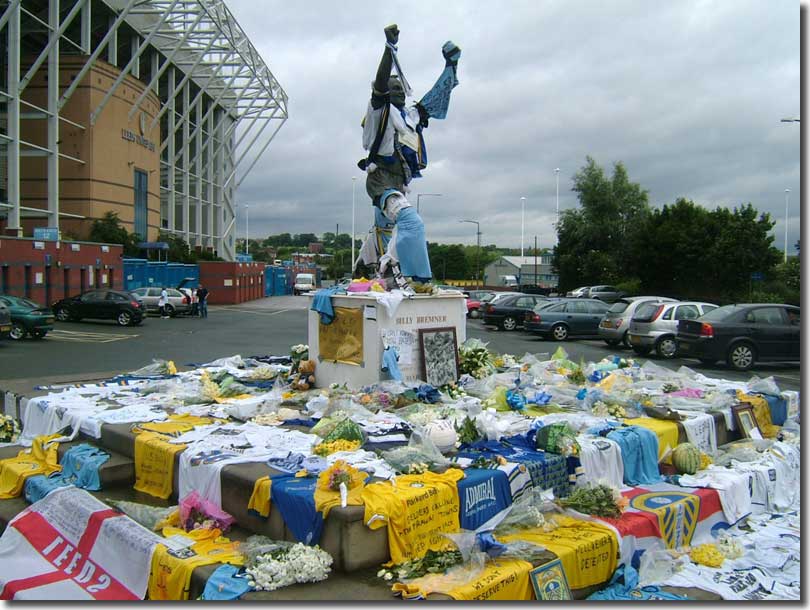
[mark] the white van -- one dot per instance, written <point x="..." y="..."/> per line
<point x="304" y="282"/>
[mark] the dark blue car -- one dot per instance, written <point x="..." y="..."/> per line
<point x="564" y="318"/>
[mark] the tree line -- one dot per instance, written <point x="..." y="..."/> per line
<point x="682" y="249"/>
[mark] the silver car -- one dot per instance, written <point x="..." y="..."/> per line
<point x="149" y="297"/>
<point x="614" y="326"/>
<point x="605" y="292"/>
<point x="655" y="326"/>
<point x="581" y="292"/>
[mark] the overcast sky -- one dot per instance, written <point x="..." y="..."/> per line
<point x="687" y="94"/>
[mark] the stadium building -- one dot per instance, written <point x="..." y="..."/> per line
<point x="153" y="109"/>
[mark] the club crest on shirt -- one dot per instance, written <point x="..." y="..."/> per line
<point x="677" y="514"/>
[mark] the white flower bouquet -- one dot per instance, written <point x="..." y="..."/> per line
<point x="298" y="563"/>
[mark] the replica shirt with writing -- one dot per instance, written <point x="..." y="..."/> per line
<point x="587" y="550"/>
<point x="41" y="458"/>
<point x="154" y="464"/>
<point x="417" y="509"/>
<point x="601" y="460"/>
<point x="639" y="448"/>
<point x="482" y="493"/>
<point x="501" y="580"/>
<point x="170" y="576"/>
<point x="665" y="430"/>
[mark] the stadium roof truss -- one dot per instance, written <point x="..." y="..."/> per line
<point x="220" y="104"/>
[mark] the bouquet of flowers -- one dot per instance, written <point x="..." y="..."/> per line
<point x="467" y="431"/>
<point x="475" y="359"/>
<point x="299" y="352"/>
<point x="707" y="555"/>
<point x="600" y="500"/>
<point x="195" y="513"/>
<point x="577" y="377"/>
<point x="285" y="566"/>
<point x="338" y="474"/>
<point x="434" y="562"/>
<point x="329" y="447"/>
<point x="603" y="409"/>
<point x="453" y="391"/>
<point x="9" y="429"/>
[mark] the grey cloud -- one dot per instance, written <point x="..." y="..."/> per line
<point x="688" y="95"/>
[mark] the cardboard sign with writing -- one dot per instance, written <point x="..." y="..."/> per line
<point x="342" y="340"/>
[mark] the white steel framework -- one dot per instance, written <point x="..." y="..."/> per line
<point x="220" y="104"/>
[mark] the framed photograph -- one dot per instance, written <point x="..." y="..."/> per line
<point x="439" y="352"/>
<point x="746" y="420"/>
<point x="549" y="582"/>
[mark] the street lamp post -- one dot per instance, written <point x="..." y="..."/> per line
<point x="246" y="229"/>
<point x="420" y="195"/>
<point x="522" y="221"/>
<point x="354" y="180"/>
<point x="557" y="176"/>
<point x="787" y="199"/>
<point x="478" y="250"/>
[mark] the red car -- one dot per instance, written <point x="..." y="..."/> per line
<point x="476" y="299"/>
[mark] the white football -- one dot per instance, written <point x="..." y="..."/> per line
<point x="442" y="433"/>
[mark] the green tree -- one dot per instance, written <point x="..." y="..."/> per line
<point x="108" y="230"/>
<point x="596" y="241"/>
<point x="179" y="251"/>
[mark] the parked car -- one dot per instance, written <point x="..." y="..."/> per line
<point x="606" y="293"/>
<point x="150" y="297"/>
<point x="614" y="326"/>
<point x="304" y="282"/>
<point x="479" y="295"/>
<point x="188" y="286"/>
<point x="578" y="292"/>
<point x="116" y="305"/>
<point x="5" y="321"/>
<point x="655" y="326"/>
<point x="27" y="317"/>
<point x="743" y="335"/>
<point x="474" y="302"/>
<point x="508" y="311"/>
<point x="534" y="289"/>
<point x="564" y="318"/>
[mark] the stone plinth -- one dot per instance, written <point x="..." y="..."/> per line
<point x="412" y="314"/>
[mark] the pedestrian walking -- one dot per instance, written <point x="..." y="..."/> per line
<point x="202" y="301"/>
<point x="163" y="301"/>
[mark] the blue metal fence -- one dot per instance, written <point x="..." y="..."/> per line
<point x="139" y="272"/>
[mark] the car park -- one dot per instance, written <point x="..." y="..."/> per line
<point x="565" y="318"/>
<point x="508" y="311"/>
<point x="614" y="326"/>
<point x="654" y="326"/>
<point x="5" y="321"/>
<point x="116" y="305"/>
<point x="27" y="317"/>
<point x="743" y="335"/>
<point x="605" y="292"/>
<point x="150" y="297"/>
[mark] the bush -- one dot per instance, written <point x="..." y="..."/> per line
<point x="631" y="286"/>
